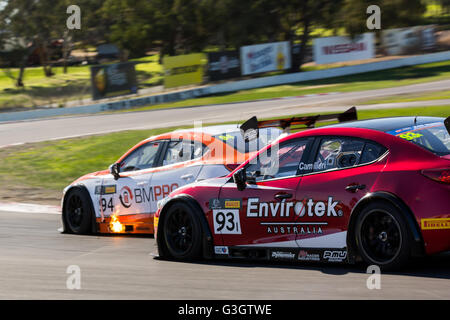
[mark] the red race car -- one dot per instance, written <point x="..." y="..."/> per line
<point x="376" y="189"/>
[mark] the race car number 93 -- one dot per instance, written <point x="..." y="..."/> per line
<point x="226" y="221"/>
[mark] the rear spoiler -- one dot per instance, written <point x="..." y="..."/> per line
<point x="249" y="128"/>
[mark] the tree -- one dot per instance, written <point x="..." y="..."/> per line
<point x="394" y="13"/>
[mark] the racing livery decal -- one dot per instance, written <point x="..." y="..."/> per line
<point x="435" y="224"/>
<point x="226" y="216"/>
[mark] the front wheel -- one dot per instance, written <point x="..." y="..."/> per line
<point x="182" y="232"/>
<point x="382" y="236"/>
<point x="78" y="212"/>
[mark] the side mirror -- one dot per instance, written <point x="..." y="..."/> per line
<point x="114" y="169"/>
<point x="239" y="177"/>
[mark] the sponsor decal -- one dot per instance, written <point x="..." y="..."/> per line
<point x="409" y="133"/>
<point x="225" y="203"/>
<point x="303" y="255"/>
<point x="232" y="204"/>
<point x="220" y="250"/>
<point x="335" y="255"/>
<point x="435" y="224"/>
<point x="110" y="189"/>
<point x="299" y="230"/>
<point x="126" y="197"/>
<point x="282" y="255"/>
<point x="306" y="207"/>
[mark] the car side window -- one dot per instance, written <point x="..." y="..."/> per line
<point x="279" y="161"/>
<point x="337" y="153"/>
<point x="182" y="150"/>
<point x="142" y="158"/>
<point x="372" y="151"/>
<point x="344" y="152"/>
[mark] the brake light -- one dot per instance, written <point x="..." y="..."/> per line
<point x="232" y="166"/>
<point x="439" y="175"/>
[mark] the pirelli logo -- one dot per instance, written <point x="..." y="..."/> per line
<point x="435" y="224"/>
<point x="232" y="204"/>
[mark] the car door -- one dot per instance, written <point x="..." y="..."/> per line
<point x="131" y="193"/>
<point x="263" y="213"/>
<point x="178" y="167"/>
<point x="339" y="172"/>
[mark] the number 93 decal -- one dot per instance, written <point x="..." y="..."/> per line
<point x="226" y="221"/>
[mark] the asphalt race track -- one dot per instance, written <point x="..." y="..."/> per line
<point x="34" y="258"/>
<point x="57" y="128"/>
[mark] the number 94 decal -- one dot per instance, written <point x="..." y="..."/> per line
<point x="226" y="221"/>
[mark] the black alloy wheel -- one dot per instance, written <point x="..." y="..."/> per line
<point x="182" y="232"/>
<point x="382" y="236"/>
<point x="78" y="212"/>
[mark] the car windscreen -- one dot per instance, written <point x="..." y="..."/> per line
<point x="235" y="139"/>
<point x="431" y="136"/>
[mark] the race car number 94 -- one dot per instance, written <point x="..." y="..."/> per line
<point x="226" y="221"/>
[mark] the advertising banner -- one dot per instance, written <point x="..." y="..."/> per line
<point x="183" y="70"/>
<point x="411" y="40"/>
<point x="265" y="57"/>
<point x="339" y="49"/>
<point x="113" y="80"/>
<point x="223" y="65"/>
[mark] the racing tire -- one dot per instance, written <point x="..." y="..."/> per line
<point x="382" y="236"/>
<point x="182" y="232"/>
<point x="78" y="212"/>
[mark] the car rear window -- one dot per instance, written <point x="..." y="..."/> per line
<point x="430" y="136"/>
<point x="235" y="139"/>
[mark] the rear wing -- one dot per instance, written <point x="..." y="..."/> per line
<point x="249" y="128"/>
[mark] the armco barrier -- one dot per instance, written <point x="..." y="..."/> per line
<point x="226" y="87"/>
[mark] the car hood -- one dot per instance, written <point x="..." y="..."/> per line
<point x="91" y="175"/>
<point x="202" y="184"/>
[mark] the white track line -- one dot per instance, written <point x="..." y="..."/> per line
<point x="29" y="208"/>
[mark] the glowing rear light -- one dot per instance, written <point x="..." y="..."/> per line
<point x="439" y="175"/>
<point x="232" y="166"/>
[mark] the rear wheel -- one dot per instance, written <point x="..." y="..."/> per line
<point x="382" y="236"/>
<point x="182" y="232"/>
<point x="78" y="212"/>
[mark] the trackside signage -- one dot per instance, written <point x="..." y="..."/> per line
<point x="183" y="70"/>
<point x="223" y="65"/>
<point x="113" y="80"/>
<point x="337" y="49"/>
<point x="265" y="57"/>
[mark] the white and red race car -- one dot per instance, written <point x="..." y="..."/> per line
<point x="124" y="198"/>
